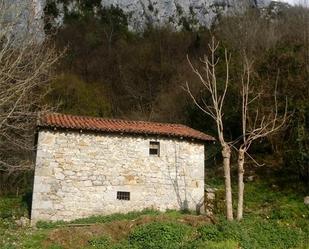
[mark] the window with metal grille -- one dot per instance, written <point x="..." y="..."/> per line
<point x="123" y="195"/>
<point x="154" y="148"/>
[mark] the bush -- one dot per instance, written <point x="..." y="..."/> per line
<point x="12" y="207"/>
<point x="209" y="232"/>
<point x="159" y="235"/>
<point x="101" y="243"/>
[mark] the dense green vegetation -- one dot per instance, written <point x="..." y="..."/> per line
<point x="274" y="218"/>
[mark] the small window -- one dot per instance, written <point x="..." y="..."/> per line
<point x="123" y="196"/>
<point x="154" y="148"/>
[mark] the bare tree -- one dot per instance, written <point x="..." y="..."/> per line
<point x="215" y="110"/>
<point x="25" y="69"/>
<point x="255" y="125"/>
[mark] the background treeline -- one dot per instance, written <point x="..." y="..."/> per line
<point x="108" y="71"/>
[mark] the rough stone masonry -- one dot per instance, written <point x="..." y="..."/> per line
<point x="81" y="174"/>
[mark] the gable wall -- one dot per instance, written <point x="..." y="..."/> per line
<point x="79" y="174"/>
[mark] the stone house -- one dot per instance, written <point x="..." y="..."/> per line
<point x="88" y="166"/>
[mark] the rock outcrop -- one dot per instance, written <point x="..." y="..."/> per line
<point x="23" y="17"/>
<point x="177" y="13"/>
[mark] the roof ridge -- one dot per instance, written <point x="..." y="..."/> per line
<point x="117" y="119"/>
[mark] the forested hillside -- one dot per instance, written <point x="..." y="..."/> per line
<point x="109" y="71"/>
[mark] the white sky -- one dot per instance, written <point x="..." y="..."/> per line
<point x="305" y="2"/>
<point x="288" y="1"/>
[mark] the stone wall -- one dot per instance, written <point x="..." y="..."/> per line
<point x="79" y="174"/>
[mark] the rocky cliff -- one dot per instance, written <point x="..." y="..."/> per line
<point x="24" y="17"/>
<point x="140" y="13"/>
<point x="178" y="13"/>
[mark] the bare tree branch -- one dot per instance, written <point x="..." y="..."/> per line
<point x="26" y="64"/>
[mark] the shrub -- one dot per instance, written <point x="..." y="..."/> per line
<point x="159" y="235"/>
<point x="101" y="243"/>
<point x="209" y="232"/>
<point x="12" y="207"/>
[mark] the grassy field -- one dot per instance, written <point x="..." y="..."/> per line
<point x="274" y="218"/>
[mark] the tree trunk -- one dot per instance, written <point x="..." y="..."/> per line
<point x="241" y="185"/>
<point x="226" y="153"/>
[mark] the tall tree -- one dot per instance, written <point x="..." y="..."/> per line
<point x="255" y="125"/>
<point x="215" y="110"/>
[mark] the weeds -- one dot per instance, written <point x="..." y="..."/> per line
<point x="99" y="219"/>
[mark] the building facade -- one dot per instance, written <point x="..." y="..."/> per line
<point x="86" y="167"/>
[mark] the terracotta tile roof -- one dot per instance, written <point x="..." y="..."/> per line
<point x="63" y="121"/>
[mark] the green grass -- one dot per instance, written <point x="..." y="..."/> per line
<point x="98" y="219"/>
<point x="254" y="233"/>
<point x="273" y="219"/>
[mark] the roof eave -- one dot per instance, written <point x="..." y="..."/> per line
<point x="180" y="137"/>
